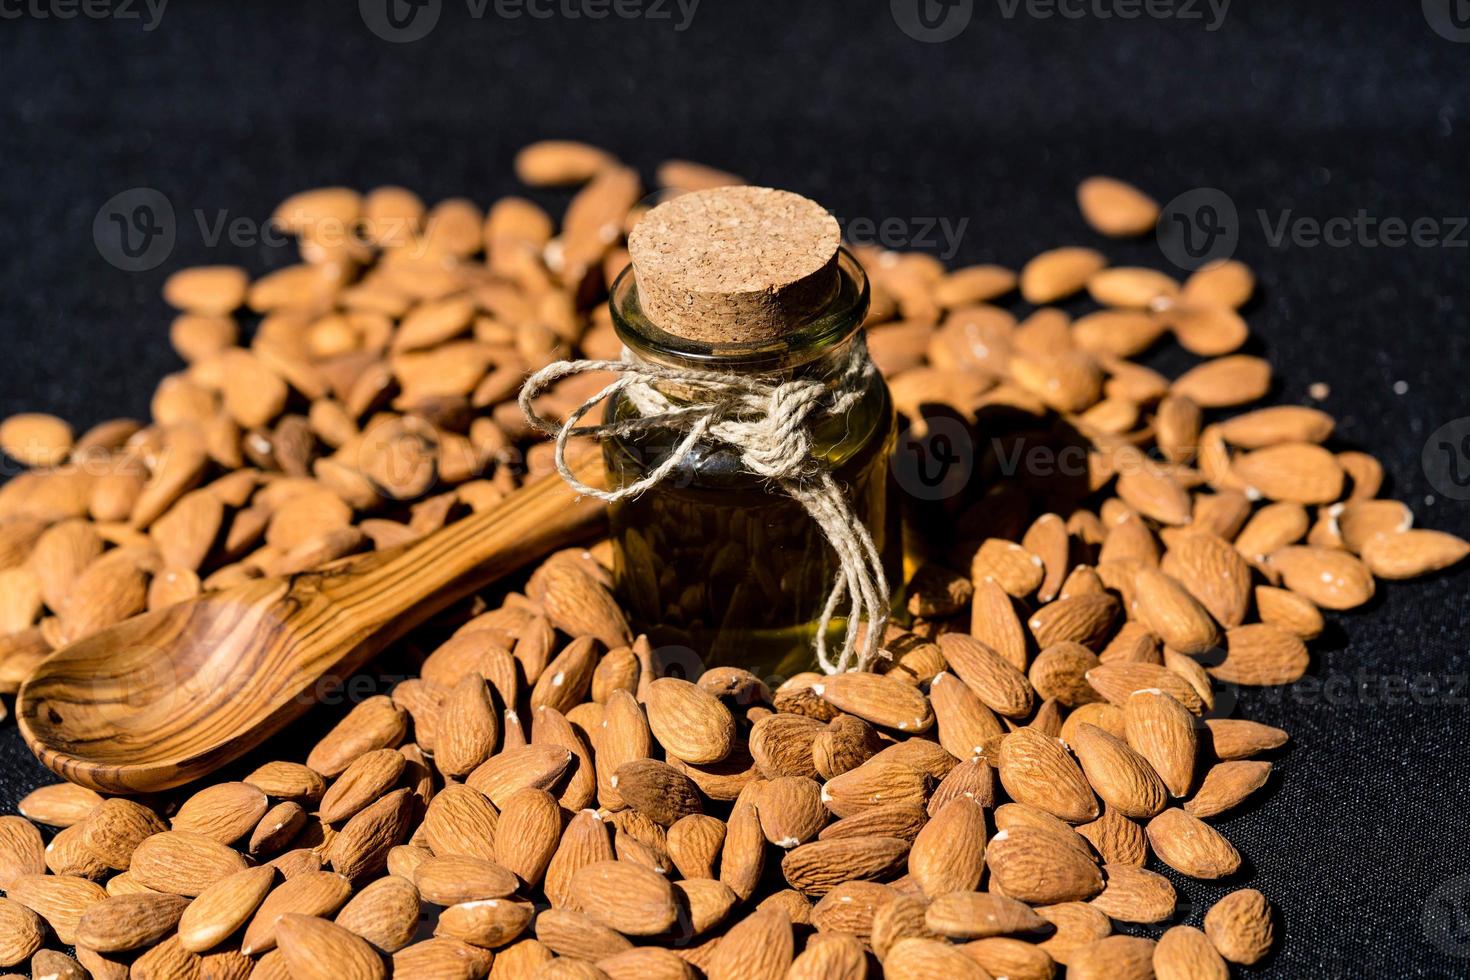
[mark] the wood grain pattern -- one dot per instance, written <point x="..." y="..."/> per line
<point x="171" y="695"/>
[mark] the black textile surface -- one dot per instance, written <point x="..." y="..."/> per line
<point x="1294" y="113"/>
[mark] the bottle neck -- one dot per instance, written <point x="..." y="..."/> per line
<point x="817" y="347"/>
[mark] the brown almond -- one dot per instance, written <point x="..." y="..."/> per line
<point x="914" y="958"/>
<point x="1226" y="786"/>
<point x="224" y="812"/>
<point x="948" y="854"/>
<point x="1114" y="958"/>
<point x="879" y="699"/>
<point x="21" y="850"/>
<point x="1058" y="273"/>
<point x="455" y="879"/>
<point x="623" y="896"/>
<point x="1238" y="738"/>
<point x="59" y="899"/>
<point x="1412" y="553"/>
<point x="128" y="922"/>
<point x="315" y="949"/>
<point x="222" y="908"/>
<point x="362" y="846"/>
<point x="1036" y="769"/>
<point x="970" y="914"/>
<point x="462" y="821"/>
<point x="1132" y="894"/>
<point x="1036" y="866"/>
<point x="385" y="913"/>
<point x="1298" y="472"/>
<point x="1242" y="927"/>
<point x="688" y="721"/>
<point x="1162" y="730"/>
<point x="1261" y="654"/>
<point x="318" y="893"/>
<point x="816" y="868"/>
<point x="994" y="680"/>
<point x="1121" y="777"/>
<point x="1191" y="846"/>
<point x="1116" y="209"/>
<point x="1185" y="953"/>
<point x="21" y="932"/>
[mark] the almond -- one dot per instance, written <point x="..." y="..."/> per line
<point x="1297" y="472"/>
<point x="1412" y="553"/>
<point x="21" y="850"/>
<point x="1241" y="926"/>
<point x="318" y="893"/>
<point x="1058" y="273"/>
<point x="1117" y="839"/>
<point x="1237" y="738"/>
<point x="128" y="922"/>
<point x="1002" y="956"/>
<point x="874" y="783"/>
<point x="59" y="805"/>
<point x="996" y="682"/>
<point x="1185" y="953"/>
<point x="1261" y="654"/>
<point x="1191" y="846"/>
<point x="1132" y="894"/>
<point x="1118" y="681"/>
<point x="817" y="867"/>
<point x="224" y="907"/>
<point x="879" y="699"/>
<point x="362" y="845"/>
<point x="978" y="915"/>
<point x="528" y="766"/>
<point x="488" y="924"/>
<point x="1034" y="866"/>
<point x="59" y="899"/>
<point x="461" y="821"/>
<point x="224" y="812"/>
<point x="182" y="862"/>
<point x="21" y="932"/>
<point x="631" y="899"/>
<point x="688" y="721"/>
<point x="1114" y="958"/>
<point x="528" y="833"/>
<point x="315" y="949"/>
<point x="455" y="879"/>
<point x="372" y="724"/>
<point x="829" y="957"/>
<point x="1226" y="785"/>
<point x="1121" y="777"/>
<point x="364" y="781"/>
<point x="759" y="947"/>
<point x="1116" y="209"/>
<point x="1037" y="770"/>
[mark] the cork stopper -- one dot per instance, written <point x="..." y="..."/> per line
<point x="735" y="265"/>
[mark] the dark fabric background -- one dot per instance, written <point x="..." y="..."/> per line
<point x="1313" y="109"/>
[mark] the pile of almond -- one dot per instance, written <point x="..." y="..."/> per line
<point x="551" y="796"/>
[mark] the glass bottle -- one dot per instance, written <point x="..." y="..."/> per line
<point x="715" y="558"/>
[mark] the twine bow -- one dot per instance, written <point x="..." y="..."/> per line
<point x="768" y="424"/>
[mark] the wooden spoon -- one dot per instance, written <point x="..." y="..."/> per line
<point x="168" y="696"/>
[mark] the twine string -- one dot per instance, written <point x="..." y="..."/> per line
<point x="768" y="424"/>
